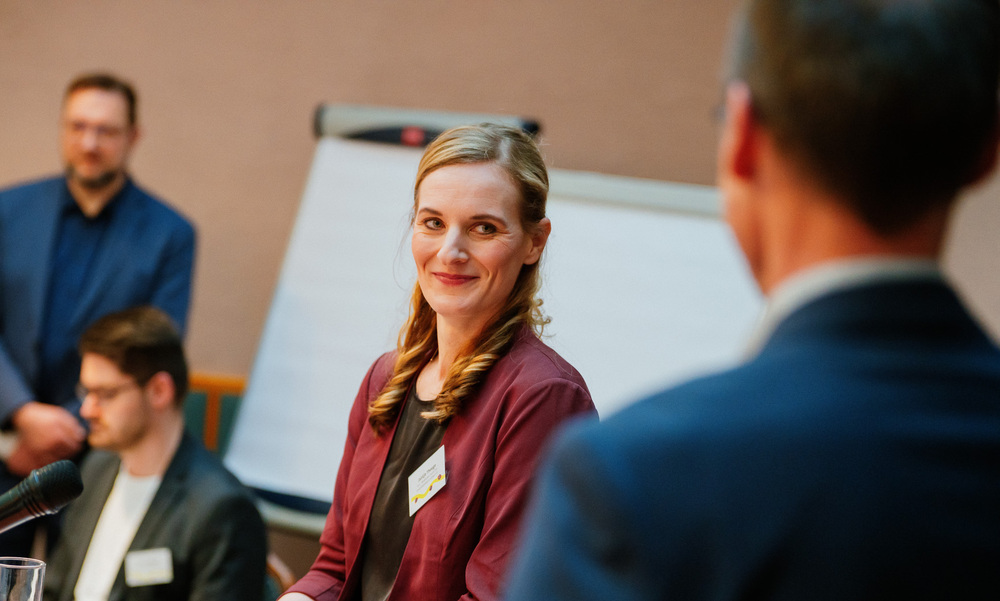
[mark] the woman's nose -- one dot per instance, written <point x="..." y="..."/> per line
<point x="453" y="249"/>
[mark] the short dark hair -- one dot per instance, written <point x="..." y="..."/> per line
<point x="109" y="83"/>
<point x="141" y="342"/>
<point x="889" y="104"/>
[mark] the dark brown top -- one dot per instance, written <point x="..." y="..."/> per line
<point x="389" y="526"/>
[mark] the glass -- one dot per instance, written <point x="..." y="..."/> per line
<point x="103" y="132"/>
<point x="21" y="579"/>
<point x="104" y="395"/>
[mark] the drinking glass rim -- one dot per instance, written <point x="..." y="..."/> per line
<point x="21" y="562"/>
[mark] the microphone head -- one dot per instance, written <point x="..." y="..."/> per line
<point x="57" y="484"/>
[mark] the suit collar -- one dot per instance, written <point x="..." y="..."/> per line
<point x="44" y="214"/>
<point x="46" y="211"/>
<point x="806" y="287"/>
<point x="69" y="204"/>
<point x="101" y="486"/>
<point x="166" y="500"/>
<point x="118" y="242"/>
<point x="876" y="316"/>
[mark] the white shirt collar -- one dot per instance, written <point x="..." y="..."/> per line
<point x="806" y="286"/>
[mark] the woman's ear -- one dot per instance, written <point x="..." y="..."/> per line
<point x="538" y="240"/>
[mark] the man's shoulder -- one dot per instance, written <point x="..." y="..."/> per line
<point x="31" y="189"/>
<point x="689" y="406"/>
<point x="139" y="200"/>
<point x="33" y="184"/>
<point x="530" y="361"/>
<point x="98" y="461"/>
<point x="703" y="416"/>
<point x="204" y="476"/>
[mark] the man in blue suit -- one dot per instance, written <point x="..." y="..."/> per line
<point x="73" y="249"/>
<point x="856" y="453"/>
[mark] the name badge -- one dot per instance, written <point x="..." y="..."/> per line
<point x="148" y="567"/>
<point x="426" y="480"/>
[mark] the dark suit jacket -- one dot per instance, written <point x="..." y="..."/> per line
<point x="856" y="457"/>
<point x="462" y="538"/>
<point x="146" y="258"/>
<point x="201" y="513"/>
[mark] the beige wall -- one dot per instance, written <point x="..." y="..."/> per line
<point x="228" y="88"/>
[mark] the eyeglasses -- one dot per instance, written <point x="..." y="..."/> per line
<point x="78" y="129"/>
<point x="105" y="394"/>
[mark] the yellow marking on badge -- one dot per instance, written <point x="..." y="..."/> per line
<point x="426" y="480"/>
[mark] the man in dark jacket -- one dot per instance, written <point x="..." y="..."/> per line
<point x="159" y="517"/>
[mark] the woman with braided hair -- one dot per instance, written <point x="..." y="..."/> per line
<point x="445" y="431"/>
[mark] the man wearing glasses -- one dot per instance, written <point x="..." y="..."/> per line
<point x="72" y="249"/>
<point x="159" y="517"/>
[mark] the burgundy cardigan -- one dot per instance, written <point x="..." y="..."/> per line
<point x="464" y="536"/>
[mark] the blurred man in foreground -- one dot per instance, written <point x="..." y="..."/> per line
<point x="856" y="453"/>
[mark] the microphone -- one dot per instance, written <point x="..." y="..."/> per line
<point x="45" y="491"/>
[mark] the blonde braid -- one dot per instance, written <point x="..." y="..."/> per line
<point x="467" y="373"/>
<point x="417" y="343"/>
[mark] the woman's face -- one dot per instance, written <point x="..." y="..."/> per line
<point x="468" y="242"/>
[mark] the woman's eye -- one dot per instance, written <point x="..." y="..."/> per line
<point x="486" y="228"/>
<point x="432" y="223"/>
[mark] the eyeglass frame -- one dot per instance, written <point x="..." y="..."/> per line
<point x="103" y="133"/>
<point x="106" y="394"/>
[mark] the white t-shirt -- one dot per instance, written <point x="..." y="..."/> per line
<point x="123" y="512"/>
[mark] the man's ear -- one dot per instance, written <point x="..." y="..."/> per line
<point x="161" y="390"/>
<point x="134" y="135"/>
<point x="738" y="143"/>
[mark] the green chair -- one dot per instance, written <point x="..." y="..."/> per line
<point x="210" y="409"/>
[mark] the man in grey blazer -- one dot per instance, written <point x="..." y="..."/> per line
<point x="855" y="454"/>
<point x="160" y="518"/>
<point x="74" y="248"/>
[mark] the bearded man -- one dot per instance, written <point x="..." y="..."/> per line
<point x="72" y="249"/>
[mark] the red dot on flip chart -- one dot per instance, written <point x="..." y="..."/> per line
<point x="412" y="136"/>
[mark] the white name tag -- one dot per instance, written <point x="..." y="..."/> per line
<point x="426" y="481"/>
<point x="148" y="567"/>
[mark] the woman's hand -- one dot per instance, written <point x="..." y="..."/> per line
<point x="295" y="597"/>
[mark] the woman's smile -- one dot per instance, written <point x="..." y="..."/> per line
<point x="453" y="279"/>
